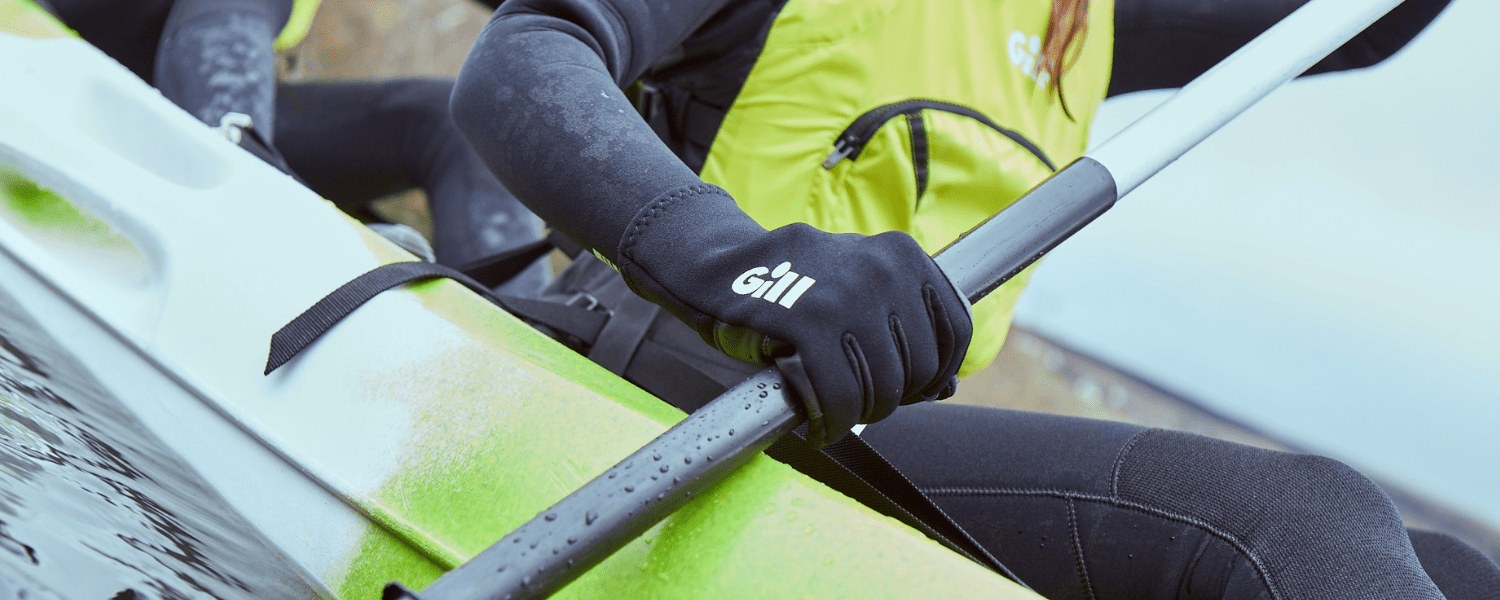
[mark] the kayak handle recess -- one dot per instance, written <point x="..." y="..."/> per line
<point x="590" y="524"/>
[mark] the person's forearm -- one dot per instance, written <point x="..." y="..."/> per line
<point x="539" y="98"/>
<point x="1166" y="43"/>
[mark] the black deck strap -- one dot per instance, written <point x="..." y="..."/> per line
<point x="855" y="469"/>
<point x="326" y="313"/>
<point x="573" y="320"/>
<point x="657" y="368"/>
<point x="622" y="334"/>
<point x="495" y="270"/>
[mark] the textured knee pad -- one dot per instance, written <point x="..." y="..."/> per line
<point x="1313" y="527"/>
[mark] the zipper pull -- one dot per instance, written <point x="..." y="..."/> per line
<point x="841" y="150"/>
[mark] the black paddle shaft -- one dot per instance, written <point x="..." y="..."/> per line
<point x="608" y="512"/>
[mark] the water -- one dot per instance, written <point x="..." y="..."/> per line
<point x="94" y="506"/>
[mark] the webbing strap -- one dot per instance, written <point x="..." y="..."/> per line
<point x="576" y="321"/>
<point x="621" y="336"/>
<point x="855" y="455"/>
<point x="857" y="470"/>
<point x="322" y="316"/>
<point x="498" y="269"/>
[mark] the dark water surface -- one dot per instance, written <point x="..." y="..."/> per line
<point x="94" y="506"/>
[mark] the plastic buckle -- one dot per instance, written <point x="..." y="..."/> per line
<point x="581" y="295"/>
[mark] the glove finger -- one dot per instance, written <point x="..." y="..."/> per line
<point x="880" y="371"/>
<point x="827" y="390"/>
<point x="919" y="358"/>
<point x="951" y="331"/>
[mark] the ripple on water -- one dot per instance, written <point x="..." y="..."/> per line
<point x="92" y="505"/>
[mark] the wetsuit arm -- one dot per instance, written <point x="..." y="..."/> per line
<point x="539" y="98"/>
<point x="1166" y="43"/>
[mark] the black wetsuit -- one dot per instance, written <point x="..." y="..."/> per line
<point x="351" y="142"/>
<point x="1077" y="508"/>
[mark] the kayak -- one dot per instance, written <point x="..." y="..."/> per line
<point x="161" y="258"/>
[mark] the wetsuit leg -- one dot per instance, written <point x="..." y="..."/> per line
<point x="1166" y="43"/>
<point x="215" y="57"/>
<point x="126" y="30"/>
<point x="1461" y="571"/>
<point x="1096" y="510"/>
<point x="353" y="142"/>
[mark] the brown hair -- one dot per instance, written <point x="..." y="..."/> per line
<point x="1063" y="42"/>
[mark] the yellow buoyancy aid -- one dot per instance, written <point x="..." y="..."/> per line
<point x="944" y="115"/>
<point x="26" y="19"/>
<point x="297" y="25"/>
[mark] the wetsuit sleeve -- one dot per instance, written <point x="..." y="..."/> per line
<point x="1166" y="43"/>
<point x="539" y="98"/>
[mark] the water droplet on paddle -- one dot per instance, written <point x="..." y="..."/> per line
<point x="655" y="457"/>
<point x="687" y="460"/>
<point x="589" y="519"/>
<point x="572" y="540"/>
<point x="664" y="468"/>
<point x="763" y="394"/>
<point x="551" y="517"/>
<point x="629" y="488"/>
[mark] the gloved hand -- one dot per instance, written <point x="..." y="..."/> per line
<point x="858" y="324"/>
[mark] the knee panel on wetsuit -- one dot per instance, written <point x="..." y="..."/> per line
<point x="1291" y="515"/>
<point x="1461" y="571"/>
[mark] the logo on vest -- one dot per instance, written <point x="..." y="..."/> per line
<point x="1024" y="53"/>
<point x="783" y="287"/>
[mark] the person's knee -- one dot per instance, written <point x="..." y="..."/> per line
<point x="1460" y="570"/>
<point x="1295" y="515"/>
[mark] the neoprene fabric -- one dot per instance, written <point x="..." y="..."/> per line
<point x="215" y="57"/>
<point x="858" y="324"/>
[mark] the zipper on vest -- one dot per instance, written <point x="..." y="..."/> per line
<point x="852" y="141"/>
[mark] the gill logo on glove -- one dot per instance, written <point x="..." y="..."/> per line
<point x="775" y="289"/>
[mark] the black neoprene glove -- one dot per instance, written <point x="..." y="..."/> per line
<point x="857" y="324"/>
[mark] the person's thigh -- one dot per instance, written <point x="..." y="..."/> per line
<point x="1091" y="509"/>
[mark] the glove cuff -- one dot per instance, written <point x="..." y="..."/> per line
<point x="670" y="239"/>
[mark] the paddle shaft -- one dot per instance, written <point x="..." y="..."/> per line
<point x="608" y="512"/>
